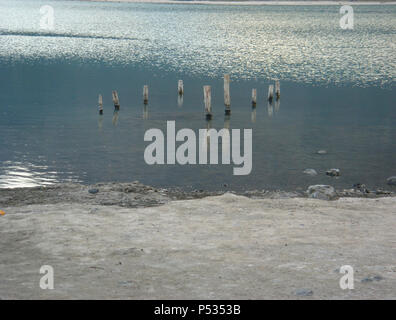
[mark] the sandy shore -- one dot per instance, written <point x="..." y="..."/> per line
<point x="218" y="247"/>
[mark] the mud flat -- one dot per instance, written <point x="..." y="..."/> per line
<point x="129" y="241"/>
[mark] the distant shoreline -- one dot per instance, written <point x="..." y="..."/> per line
<point x="253" y="3"/>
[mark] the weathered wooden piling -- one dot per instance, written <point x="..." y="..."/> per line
<point x="180" y="87"/>
<point x="100" y="102"/>
<point x="208" y="102"/>
<point x="277" y="89"/>
<point x="145" y="94"/>
<point x="254" y="97"/>
<point x="270" y="92"/>
<point x="227" y="98"/>
<point x="116" y="101"/>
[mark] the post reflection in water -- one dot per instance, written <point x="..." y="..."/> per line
<point x="100" y="122"/>
<point x="145" y="112"/>
<point x="225" y="136"/>
<point x="253" y="117"/>
<point x="180" y="100"/>
<point x="225" y="140"/>
<point x="270" y="109"/>
<point x="115" y="118"/>
<point x="277" y="105"/>
<point x="26" y="175"/>
<point x="227" y="119"/>
<point x="206" y="139"/>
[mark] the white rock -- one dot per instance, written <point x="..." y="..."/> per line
<point x="311" y="172"/>
<point x="391" y="181"/>
<point x="323" y="192"/>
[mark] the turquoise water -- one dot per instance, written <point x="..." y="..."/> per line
<point x="337" y="87"/>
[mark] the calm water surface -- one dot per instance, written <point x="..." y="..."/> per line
<point x="338" y="91"/>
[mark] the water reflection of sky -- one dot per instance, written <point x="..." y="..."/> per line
<point x="22" y="175"/>
<point x="298" y="43"/>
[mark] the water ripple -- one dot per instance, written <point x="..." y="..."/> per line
<point x="296" y="43"/>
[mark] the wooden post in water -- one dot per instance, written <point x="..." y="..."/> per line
<point x="116" y="101"/>
<point x="270" y="92"/>
<point x="180" y="88"/>
<point x="254" y="97"/>
<point x="208" y="102"/>
<point x="145" y="94"/>
<point x="100" y="101"/>
<point x="277" y="89"/>
<point x="227" y="99"/>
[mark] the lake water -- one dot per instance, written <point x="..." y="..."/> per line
<point x="337" y="91"/>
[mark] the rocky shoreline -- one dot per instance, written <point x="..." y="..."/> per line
<point x="136" y="194"/>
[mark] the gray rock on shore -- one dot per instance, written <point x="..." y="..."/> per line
<point x="391" y="181"/>
<point x="304" y="292"/>
<point x="323" y="192"/>
<point x="333" y="172"/>
<point x="310" y="172"/>
<point x="371" y="279"/>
